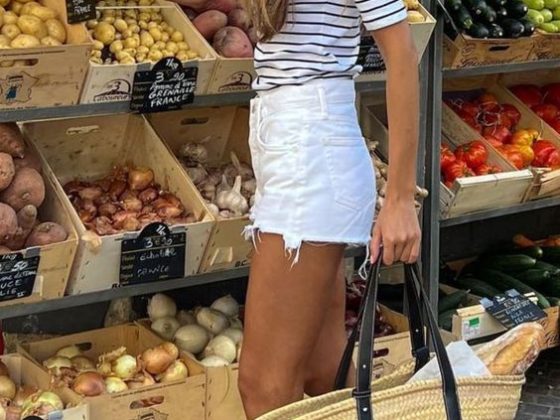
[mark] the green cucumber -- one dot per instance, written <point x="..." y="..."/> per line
<point x="505" y="282"/>
<point x="534" y="277"/>
<point x="498" y="3"/>
<point x="534" y="4"/>
<point x="445" y="319"/>
<point x="535" y="16"/>
<point x="452" y="300"/>
<point x="554" y="270"/>
<point x="535" y="252"/>
<point x="551" y="254"/>
<point x="478" y="287"/>
<point x="508" y="263"/>
<point x="552" y="287"/>
<point x="501" y="12"/>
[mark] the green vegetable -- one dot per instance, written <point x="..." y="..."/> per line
<point x="506" y="282"/>
<point x="501" y="12"/>
<point x="445" y="319"/>
<point x="551" y="254"/>
<point x="534" y="277"/>
<point x="532" y="251"/>
<point x="452" y="300"/>
<point x="534" y="4"/>
<point x="476" y="6"/>
<point x="478" y="30"/>
<point x="529" y="29"/>
<point x="497" y="3"/>
<point x="557" y="24"/>
<point x="463" y="18"/>
<point x="496" y="31"/>
<point x="551" y="4"/>
<point x="552" y="287"/>
<point x="547" y="15"/>
<point x="536" y="17"/>
<point x="453" y="5"/>
<point x="554" y="301"/>
<point x="548" y="27"/>
<point x="477" y="287"/>
<point x="508" y="263"/>
<point x="554" y="270"/>
<point x="489" y="15"/>
<point x="512" y="28"/>
<point x="556" y="13"/>
<point x="517" y="9"/>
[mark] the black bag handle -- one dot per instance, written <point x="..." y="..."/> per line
<point x="418" y="305"/>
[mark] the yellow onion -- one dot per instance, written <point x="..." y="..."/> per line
<point x="4" y="369"/>
<point x="125" y="367"/>
<point x="7" y="387"/>
<point x="82" y="364"/>
<point x="158" y="359"/>
<point x="141" y="380"/>
<point x="114" y="384"/>
<point x="22" y="394"/>
<point x="104" y="368"/>
<point x="54" y="364"/>
<point x="89" y="384"/>
<point x="69" y="352"/>
<point x="176" y="372"/>
<point x="41" y="403"/>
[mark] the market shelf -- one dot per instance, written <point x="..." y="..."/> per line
<point x="501" y="68"/>
<point x="491" y="214"/>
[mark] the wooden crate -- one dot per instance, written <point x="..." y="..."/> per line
<point x="464" y="51"/>
<point x="547" y="46"/>
<point x="88" y="148"/>
<point x="113" y="82"/>
<point x="228" y="129"/>
<point x="175" y="400"/>
<point x="40" y="80"/>
<point x="546" y="183"/>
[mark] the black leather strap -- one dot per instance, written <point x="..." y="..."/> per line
<point x="420" y="350"/>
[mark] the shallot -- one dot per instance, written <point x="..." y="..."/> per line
<point x="140" y="178"/>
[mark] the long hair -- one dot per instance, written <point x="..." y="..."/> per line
<point x="268" y="16"/>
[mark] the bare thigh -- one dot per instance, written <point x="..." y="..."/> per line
<point x="286" y="306"/>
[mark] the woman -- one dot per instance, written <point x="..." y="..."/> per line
<point x="315" y="186"/>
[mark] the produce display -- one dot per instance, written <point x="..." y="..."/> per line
<point x="127" y="199"/>
<point x="489" y="19"/>
<point x="214" y="334"/>
<point x="116" y="371"/>
<point x="470" y="159"/>
<point x="126" y="33"/>
<point x="544" y="14"/>
<point x="545" y="101"/>
<point x="22" y="191"/>
<point x="29" y="24"/>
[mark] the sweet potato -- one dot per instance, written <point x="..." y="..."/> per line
<point x="232" y="42"/>
<point x="8" y="222"/>
<point x="26" y="188"/>
<point x="11" y="141"/>
<point x="224" y="6"/>
<point x="30" y="160"/>
<point x="240" y="19"/>
<point x="210" y="22"/>
<point x="7" y="170"/>
<point x="4" y="250"/>
<point x="26" y="218"/>
<point x="46" y="233"/>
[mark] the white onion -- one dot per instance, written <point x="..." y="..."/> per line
<point x="236" y="323"/>
<point x="82" y="364"/>
<point x="7" y="387"/>
<point x="185" y="317"/>
<point x="222" y="346"/>
<point x="125" y="367"/>
<point x="69" y="352"/>
<point x="54" y="364"/>
<point x="43" y="402"/>
<point x="114" y="384"/>
<point x="191" y="338"/>
<point x="176" y="372"/>
<point x="239" y="346"/>
<point x="160" y="306"/>
<point x="226" y="305"/>
<point x="212" y="319"/>
<point x="214" y="361"/>
<point x="234" y="333"/>
<point x="165" y="327"/>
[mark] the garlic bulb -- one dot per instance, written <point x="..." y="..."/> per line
<point x="243" y="170"/>
<point x="233" y="199"/>
<point x="194" y="153"/>
<point x="197" y="174"/>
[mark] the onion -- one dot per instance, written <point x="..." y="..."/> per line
<point x="165" y="327"/>
<point x="69" y="352"/>
<point x="114" y="384"/>
<point x="158" y="359"/>
<point x="22" y="394"/>
<point x="236" y="323"/>
<point x="41" y="403"/>
<point x="105" y="368"/>
<point x="226" y="305"/>
<point x="132" y="204"/>
<point x="211" y="319"/>
<point x="141" y="380"/>
<point x="125" y="367"/>
<point x="185" y="318"/>
<point x="191" y="338"/>
<point x="148" y="195"/>
<point x="239" y="346"/>
<point x="4" y="369"/>
<point x="82" y="364"/>
<point x="176" y="372"/>
<point x="140" y="178"/>
<point x="221" y="346"/>
<point x="54" y="364"/>
<point x="89" y="384"/>
<point x="7" y="387"/>
<point x="214" y="361"/>
<point x="235" y="334"/>
<point x="161" y="306"/>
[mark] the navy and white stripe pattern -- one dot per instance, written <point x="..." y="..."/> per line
<point x="321" y="40"/>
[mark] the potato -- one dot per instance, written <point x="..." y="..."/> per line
<point x="415" y="16"/>
<point x="10" y="18"/>
<point x="4" y="250"/>
<point x="116" y="46"/>
<point x="46" y="233"/>
<point x="11" y="140"/>
<point x="91" y="24"/>
<point x="105" y="33"/>
<point x="4" y="41"/>
<point x="7" y="170"/>
<point x="97" y="45"/>
<point x="10" y="30"/>
<point x="155" y="55"/>
<point x="24" y="1"/>
<point x="96" y="54"/>
<point x="240" y="19"/>
<point x="26" y="8"/>
<point x="56" y="30"/>
<point x="25" y="41"/>
<point x="172" y="46"/>
<point x="224" y="6"/>
<point x="155" y="33"/>
<point x="177" y="36"/>
<point x="16" y="7"/>
<point x="8" y="222"/>
<point x="43" y="13"/>
<point x="182" y="56"/>
<point x="32" y="25"/>
<point x="120" y="25"/>
<point x="27" y="187"/>
<point x="210" y="22"/>
<point x="183" y="46"/>
<point x="30" y="160"/>
<point x="4" y="3"/>
<point x="232" y="42"/>
<point x="49" y="41"/>
<point x="131" y="43"/>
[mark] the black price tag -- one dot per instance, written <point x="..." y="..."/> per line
<point x="18" y="274"/>
<point x="512" y="309"/>
<point x="155" y="254"/>
<point x="369" y="56"/>
<point x="166" y="87"/>
<point x="80" y="10"/>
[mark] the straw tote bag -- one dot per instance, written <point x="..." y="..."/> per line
<point x="390" y="397"/>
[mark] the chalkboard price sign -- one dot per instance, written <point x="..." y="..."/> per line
<point x="18" y="274"/>
<point x="80" y="10"/>
<point x="512" y="309"/>
<point x="369" y="56"/>
<point x="155" y="254"/>
<point x="167" y="86"/>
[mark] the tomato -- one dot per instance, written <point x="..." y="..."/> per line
<point x="553" y="160"/>
<point x="493" y="140"/>
<point x="529" y="94"/>
<point x="471" y="109"/>
<point x="449" y="184"/>
<point x="500" y="132"/>
<point x="526" y="152"/>
<point x="522" y="137"/>
<point x="546" y="112"/>
<point x="552" y="94"/>
<point x="473" y="154"/>
<point x="486" y="169"/>
<point x="457" y="169"/>
<point x="446" y="157"/>
<point x="555" y="125"/>
<point x="488" y="102"/>
<point x="542" y="150"/>
<point x="512" y="112"/>
<point x="514" y="157"/>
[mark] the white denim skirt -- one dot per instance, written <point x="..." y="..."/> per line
<point x="315" y="177"/>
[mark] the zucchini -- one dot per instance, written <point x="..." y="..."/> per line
<point x="512" y="28"/>
<point x="479" y="31"/>
<point x="554" y="270"/>
<point x="516" y="9"/>
<point x="552" y="287"/>
<point x="505" y="282"/>
<point x="445" y="319"/>
<point x="453" y="5"/>
<point x="529" y="30"/>
<point x="508" y="263"/>
<point x="554" y="301"/>
<point x="501" y="12"/>
<point x="498" y="3"/>
<point x="534" y="277"/>
<point x="452" y="300"/>
<point x="475" y="6"/>
<point x="478" y="287"/>
<point x="463" y="18"/>
<point x="551" y="254"/>
<point x="489" y="15"/>
<point x="496" y="31"/>
<point x="535" y="252"/>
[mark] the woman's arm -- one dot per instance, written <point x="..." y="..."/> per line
<point x="397" y="226"/>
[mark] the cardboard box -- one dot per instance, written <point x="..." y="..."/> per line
<point x="113" y="82"/>
<point x="88" y="148"/>
<point x="228" y="129"/>
<point x="183" y="400"/>
<point x="38" y="79"/>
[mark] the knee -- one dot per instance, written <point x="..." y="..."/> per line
<point x="264" y="385"/>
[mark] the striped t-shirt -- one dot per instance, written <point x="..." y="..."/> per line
<point x="320" y="39"/>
